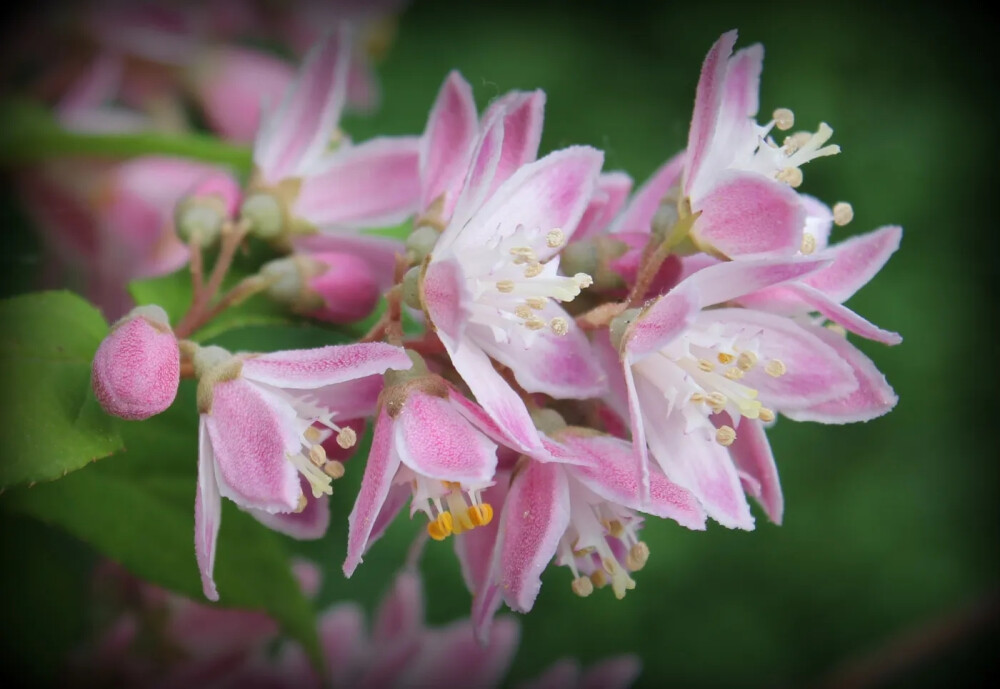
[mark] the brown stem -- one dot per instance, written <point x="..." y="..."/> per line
<point x="197" y="267"/>
<point x="600" y="316"/>
<point x="197" y="315"/>
<point x="377" y="331"/>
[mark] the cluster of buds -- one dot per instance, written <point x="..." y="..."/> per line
<point x="589" y="359"/>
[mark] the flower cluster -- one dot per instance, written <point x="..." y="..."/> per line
<point x="588" y="359"/>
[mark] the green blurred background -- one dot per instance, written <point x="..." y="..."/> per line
<point x="891" y="526"/>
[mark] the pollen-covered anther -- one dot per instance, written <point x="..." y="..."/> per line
<point x="334" y="469"/>
<point x="536" y="303"/>
<point x="317" y="455"/>
<point x="775" y="368"/>
<point x="843" y="213"/>
<point x="582" y="586"/>
<point x="615" y="528"/>
<point x="725" y="358"/>
<point x="555" y="238"/>
<point x="725" y="436"/>
<point x="533" y="270"/>
<point x="347" y="437"/>
<point x="697" y="397"/>
<point x="534" y="323"/>
<point x="480" y="515"/>
<point x="706" y="365"/>
<point x="599" y="579"/>
<point x="837" y="328"/>
<point x="583" y="280"/>
<point x="301" y="504"/>
<point x="523" y="311"/>
<point x="796" y="141"/>
<point x="746" y="361"/>
<point x="784" y="119"/>
<point x="440" y="528"/>
<point x="717" y="401"/>
<point x="734" y="373"/>
<point x="559" y="325"/>
<point x="505" y="286"/>
<point x="312" y="434"/>
<point x="792" y="176"/>
<point x="638" y="556"/>
<point x="765" y="415"/>
<point x="808" y="244"/>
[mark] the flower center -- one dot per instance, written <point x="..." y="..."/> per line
<point x="311" y="460"/>
<point x="448" y="512"/>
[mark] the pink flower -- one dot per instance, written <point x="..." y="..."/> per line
<point x="329" y="286"/>
<point x="491" y="286"/>
<point x="257" y="442"/>
<point x="703" y="382"/>
<point x="137" y="367"/>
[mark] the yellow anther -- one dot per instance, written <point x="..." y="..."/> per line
<point x="725" y="357"/>
<point x="746" y="361"/>
<point x="717" y="401"/>
<point x="725" y="436"/>
<point x="534" y="323"/>
<point x="796" y="141"/>
<point x="334" y="469"/>
<point x="734" y="373"/>
<point x="523" y="311"/>
<point x="775" y="368"/>
<point x="837" y="328"/>
<point x="555" y="238"/>
<point x="533" y="270"/>
<point x="638" y="556"/>
<point x="599" y="579"/>
<point x="480" y="515"/>
<point x="505" y="286"/>
<point x="536" y="303"/>
<point x="616" y="528"/>
<point x="792" y="176"/>
<point x="583" y="280"/>
<point x="559" y="325"/>
<point x="522" y="251"/>
<point x="765" y="415"/>
<point x="317" y="455"/>
<point x="706" y="365"/>
<point x="808" y="244"/>
<point x="440" y="528"/>
<point x="347" y="437"/>
<point x="582" y="587"/>
<point x="843" y="213"/>
<point x="784" y="119"/>
<point x="301" y="504"/>
<point x="697" y="397"/>
<point x="312" y="434"/>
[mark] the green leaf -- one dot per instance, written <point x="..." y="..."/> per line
<point x="138" y="509"/>
<point x="28" y="133"/>
<point x="52" y="424"/>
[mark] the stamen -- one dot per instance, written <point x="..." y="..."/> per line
<point x="697" y="397"/>
<point x="843" y="213"/>
<point x="480" y="515"/>
<point x="334" y="469"/>
<point x="533" y="270"/>
<point x="347" y="437"/>
<point x="318" y="480"/>
<point x="717" y="401"/>
<point x="638" y="555"/>
<point x="559" y="325"/>
<point x="775" y="368"/>
<point x="555" y="238"/>
<point x="734" y="373"/>
<point x="536" y="303"/>
<point x="302" y="504"/>
<point x="505" y="286"/>
<point x="583" y="280"/>
<point x="724" y="358"/>
<point x="582" y="587"/>
<point x="599" y="579"/>
<point x="706" y="365"/>
<point x="765" y="415"/>
<point x="746" y="361"/>
<point x="796" y="141"/>
<point x="534" y="323"/>
<point x="523" y="311"/>
<point x="312" y="434"/>
<point x="317" y="455"/>
<point x="440" y="528"/>
<point x="725" y="436"/>
<point x="784" y="119"/>
<point x="792" y="176"/>
<point x="808" y="244"/>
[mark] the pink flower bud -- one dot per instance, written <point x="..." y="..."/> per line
<point x="137" y="367"/>
<point x="328" y="286"/>
<point x="202" y="212"/>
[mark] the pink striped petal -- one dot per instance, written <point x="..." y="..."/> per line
<point x="250" y="432"/>
<point x="353" y="399"/>
<point x="304" y="369"/>
<point x="474" y="548"/>
<point x="707" y="101"/>
<point x="638" y="215"/>
<point x="345" y="644"/>
<point x="447" y="144"/>
<point x="740" y="99"/>
<point x="613" y="474"/>
<point x="746" y="214"/>
<point x="855" y="262"/>
<point x="476" y="186"/>
<point x="383" y="462"/>
<point x="872" y="398"/>
<point x="401" y="612"/>
<point x="728" y="280"/>
<point x="307" y="525"/>
<point x="819" y="220"/>
<point x="838" y="313"/>
<point x="535" y="516"/>
<point x="446" y="298"/>
<point x="435" y="440"/>
<point x="751" y="452"/>
<point x="523" y="113"/>
<point x="398" y="496"/>
<point x="207" y="513"/>
<point x="378" y="252"/>
<point x="609" y="196"/>
<point x="667" y="318"/>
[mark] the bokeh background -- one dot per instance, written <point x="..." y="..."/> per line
<point x="886" y="568"/>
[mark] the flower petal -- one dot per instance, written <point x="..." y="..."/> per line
<point x="373" y="184"/>
<point x="707" y="101"/>
<point x="446" y="298"/>
<point x="728" y="280"/>
<point x="638" y="215"/>
<point x="855" y="262"/>
<point x="872" y="398"/>
<point x="476" y="187"/>
<point x="383" y="462"/>
<point x="250" y="432"/>
<point x="609" y="196"/>
<point x="447" y="144"/>
<point x="523" y="113"/>
<point x="535" y="516"/>
<point x="304" y="369"/>
<point x="474" y="548"/>
<point x="838" y="313"/>
<point x="207" y="513"/>
<point x="378" y="252"/>
<point x="452" y="657"/>
<point x="613" y="673"/>
<point x="740" y="92"/>
<point x="657" y="325"/>
<point x="435" y="440"/>
<point x="751" y="452"/>
<point x="307" y="525"/>
<point x="344" y="641"/>
<point x="747" y="214"/>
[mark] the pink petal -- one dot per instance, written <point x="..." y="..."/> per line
<point x="609" y="196"/>
<point x="304" y="369"/>
<point x="451" y="657"/>
<point x="523" y="114"/>
<point x="447" y="143"/>
<point x="297" y="133"/>
<point x="838" y="313"/>
<point x="610" y="362"/>
<point x="872" y="398"/>
<point x="96" y="87"/>
<point x="344" y="640"/>
<point x="638" y="215"/>
<point x="855" y="262"/>
<point x="374" y="184"/>
<point x="380" y="470"/>
<point x="398" y="496"/>
<point x="307" y="525"/>
<point x="656" y="326"/>
<point x="207" y="513"/>
<point x="401" y="612"/>
<point x="251" y="431"/>
<point x="353" y="399"/>
<point x="446" y="297"/>
<point x="740" y="100"/>
<point x="435" y="440"/>
<point x="707" y="102"/>
<point x="535" y="516"/>
<point x="612" y="473"/>
<point x="549" y="193"/>
<point x="476" y="186"/>
<point x="637" y="428"/>
<point x="378" y="252"/>
<point x="614" y="673"/>
<point x="819" y="220"/>
<point x="751" y="452"/>
<point x="728" y="280"/>
<point x="746" y="214"/>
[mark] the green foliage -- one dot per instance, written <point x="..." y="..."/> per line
<point x="52" y="422"/>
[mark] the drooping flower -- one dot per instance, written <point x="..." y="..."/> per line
<point x="491" y="285"/>
<point x="258" y="445"/>
<point x="703" y="382"/>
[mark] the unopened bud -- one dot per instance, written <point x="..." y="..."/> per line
<point x="329" y="286"/>
<point x="137" y="367"/>
<point x="201" y="213"/>
<point x="264" y="215"/>
<point x="420" y="243"/>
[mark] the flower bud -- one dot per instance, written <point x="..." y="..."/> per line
<point x="137" y="367"/>
<point x="328" y="286"/>
<point x="202" y="213"/>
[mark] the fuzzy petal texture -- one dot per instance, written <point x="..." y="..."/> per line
<point x="751" y="452"/>
<point x="305" y="369"/>
<point x="522" y="113"/>
<point x="609" y="196"/>
<point x="638" y="216"/>
<point x="446" y="298"/>
<point x="474" y="548"/>
<point x="476" y="187"/>
<point x="855" y="261"/>
<point x="207" y="513"/>
<point x="707" y="102"/>
<point x="447" y="144"/>
<point x="666" y="319"/>
<point x="728" y="280"/>
<point x="838" y="313"/>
